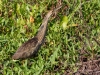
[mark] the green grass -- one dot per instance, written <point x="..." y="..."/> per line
<point x="62" y="46"/>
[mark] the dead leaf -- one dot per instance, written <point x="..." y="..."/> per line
<point x="31" y="19"/>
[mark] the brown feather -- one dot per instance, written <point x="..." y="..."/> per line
<point x="27" y="49"/>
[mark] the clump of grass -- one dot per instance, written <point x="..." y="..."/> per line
<point x="20" y="21"/>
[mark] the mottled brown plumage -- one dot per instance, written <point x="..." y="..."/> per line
<point x="30" y="47"/>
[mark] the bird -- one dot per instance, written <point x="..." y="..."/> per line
<point x="31" y="47"/>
